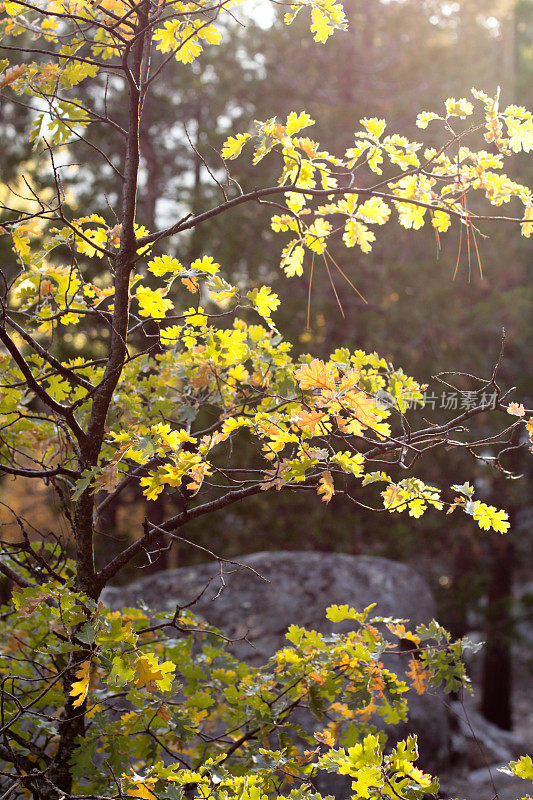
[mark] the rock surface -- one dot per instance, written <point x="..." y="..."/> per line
<point x="482" y="784"/>
<point x="271" y="590"/>
<point x="481" y="741"/>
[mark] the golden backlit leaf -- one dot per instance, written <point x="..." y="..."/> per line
<point x="315" y="376"/>
<point x="80" y="686"/>
<point x="325" y="486"/>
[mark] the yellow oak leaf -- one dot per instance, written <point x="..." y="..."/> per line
<point x="295" y="122"/>
<point x="98" y="237"/>
<point x="80" y="687"/>
<point x="374" y="126"/>
<point x="325" y="486"/>
<point x="393" y="497"/>
<point x="358" y="233"/>
<point x="206" y="264"/>
<point x="221" y="295"/>
<point x="410" y="216"/>
<point x="367" y="779"/>
<point x="264" y="300"/>
<point x="316" y="234"/>
<point x="321" y="27"/>
<point x="489" y="517"/>
<point x="420" y="777"/>
<point x="166" y="36"/>
<point x="162" y="264"/>
<point x="210" y="34"/>
<point x="292" y="261"/>
<point x="520" y="135"/>
<point x="233" y="145"/>
<point x="375" y="159"/>
<point x="458" y="108"/>
<point x="140" y="788"/>
<point x="374" y="210"/>
<point x="189" y="47"/>
<point x="196" y="317"/>
<point x="441" y="221"/>
<point x="152" y="303"/>
<point x="150" y="673"/>
<point x="13" y="9"/>
<point x="424" y="117"/>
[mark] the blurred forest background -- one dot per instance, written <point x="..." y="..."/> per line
<point x="399" y="57"/>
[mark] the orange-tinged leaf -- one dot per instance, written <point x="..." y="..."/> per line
<point x="316" y="677"/>
<point x="325" y="486"/>
<point x="190" y="283"/>
<point x="516" y="410"/>
<point x="113" y="236"/>
<point x="197" y="478"/>
<point x="314" y="376"/>
<point x="363" y="407"/>
<point x="350" y="380"/>
<point x="418" y="675"/>
<point x="310" y="419"/>
<point x="326" y="737"/>
<point x="109" y="478"/>
<point x="28" y="605"/>
<point x="13" y="73"/>
<point x="399" y="630"/>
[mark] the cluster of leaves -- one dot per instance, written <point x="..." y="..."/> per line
<point x="169" y="710"/>
<point x="311" y="421"/>
<point x="431" y="182"/>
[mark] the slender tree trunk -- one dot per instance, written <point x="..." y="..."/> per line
<point x="496" y="702"/>
<point x="151" y="164"/>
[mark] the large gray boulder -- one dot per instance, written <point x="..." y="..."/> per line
<point x="266" y="592"/>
